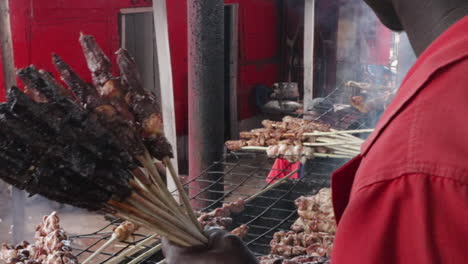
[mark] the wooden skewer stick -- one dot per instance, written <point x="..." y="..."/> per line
<point x="101" y="249"/>
<point x="348" y="135"/>
<point x="326" y="144"/>
<point x="158" y="213"/>
<point x="121" y="233"/>
<point x="255" y="148"/>
<point x="127" y="247"/>
<point x="345" y="153"/>
<point x="271" y="186"/>
<point x="183" y="194"/>
<point x="343" y="137"/>
<point x="353" y="144"/>
<point x="318" y="155"/>
<point x="146" y="160"/>
<point x="131" y="251"/>
<point x="174" y="235"/>
<point x="151" y="184"/>
<point x="159" y="190"/>
<point x="339" y="149"/>
<point x="336" y="132"/>
<point x="162" y="261"/>
<point x="170" y="223"/>
<point x="146" y="254"/>
<point x="156" y="225"/>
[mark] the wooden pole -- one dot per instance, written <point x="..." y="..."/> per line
<point x="8" y="60"/>
<point x="309" y="32"/>
<point x="164" y="66"/>
<point x="9" y="75"/>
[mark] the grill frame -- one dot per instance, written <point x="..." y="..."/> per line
<point x="254" y="167"/>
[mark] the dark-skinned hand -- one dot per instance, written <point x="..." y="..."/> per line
<point x="222" y="247"/>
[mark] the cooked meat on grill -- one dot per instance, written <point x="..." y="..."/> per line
<point x="270" y="259"/>
<point x="220" y="217"/>
<point x="50" y="247"/>
<point x="366" y="105"/>
<point x="292" y="153"/>
<point x="312" y="234"/>
<point x="125" y="230"/>
<point x="315" y="213"/>
<point x="241" y="231"/>
<point x="291" y="244"/>
<point x="235" y="145"/>
<point x="290" y="131"/>
<point x="307" y="260"/>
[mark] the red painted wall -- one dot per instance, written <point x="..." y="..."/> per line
<point x="41" y="27"/>
<point x="259" y="49"/>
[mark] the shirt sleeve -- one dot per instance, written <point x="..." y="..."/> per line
<point x="416" y="218"/>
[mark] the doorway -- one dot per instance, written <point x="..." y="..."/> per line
<point x="137" y="36"/>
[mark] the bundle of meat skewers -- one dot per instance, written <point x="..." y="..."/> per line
<point x="94" y="145"/>
<point x="298" y="140"/>
<point x="311" y="236"/>
<point x="51" y="246"/>
<point x="218" y="218"/>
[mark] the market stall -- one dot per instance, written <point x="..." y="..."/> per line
<point x="103" y="146"/>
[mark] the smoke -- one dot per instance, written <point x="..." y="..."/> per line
<point x="360" y="56"/>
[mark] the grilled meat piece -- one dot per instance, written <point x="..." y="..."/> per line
<point x="70" y="171"/>
<point x="144" y="104"/>
<point x="271" y="259"/>
<point x="98" y="63"/>
<point x="83" y="92"/>
<point x="241" y="231"/>
<point x="159" y="147"/>
<point x="235" y="145"/>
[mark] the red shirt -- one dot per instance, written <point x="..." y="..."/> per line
<point x="405" y="198"/>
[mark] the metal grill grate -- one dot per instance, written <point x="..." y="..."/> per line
<point x="241" y="175"/>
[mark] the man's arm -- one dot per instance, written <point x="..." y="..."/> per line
<point x="412" y="219"/>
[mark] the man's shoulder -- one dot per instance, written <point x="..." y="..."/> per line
<point x="429" y="135"/>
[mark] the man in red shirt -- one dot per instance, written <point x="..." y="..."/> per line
<point x="405" y="198"/>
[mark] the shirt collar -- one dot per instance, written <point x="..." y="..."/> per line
<point x="450" y="47"/>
